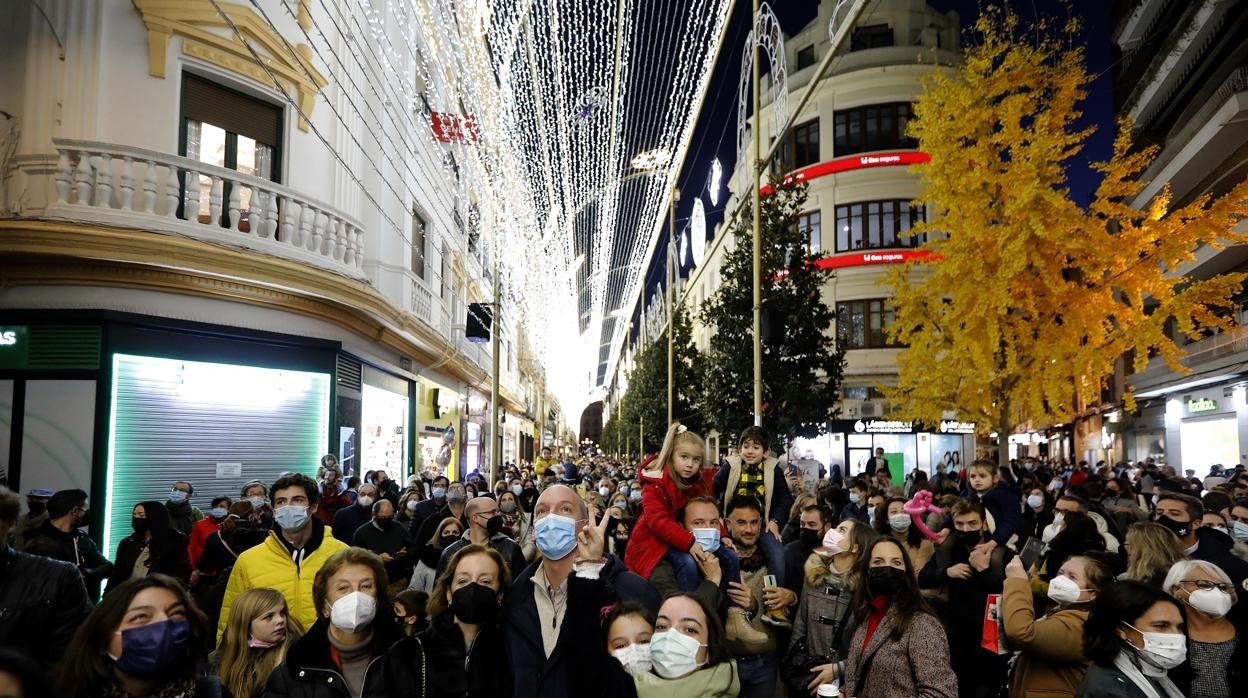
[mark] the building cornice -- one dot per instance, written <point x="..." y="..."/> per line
<point x="41" y="253"/>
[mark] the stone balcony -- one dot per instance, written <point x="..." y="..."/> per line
<point x="127" y="187"/>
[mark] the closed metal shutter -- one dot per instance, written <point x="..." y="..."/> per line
<point x="233" y="111"/>
<point x="177" y="420"/>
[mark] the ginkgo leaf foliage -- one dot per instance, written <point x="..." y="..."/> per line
<point x="1030" y="299"/>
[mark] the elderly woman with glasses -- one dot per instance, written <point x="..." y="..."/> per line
<point x="1217" y="654"/>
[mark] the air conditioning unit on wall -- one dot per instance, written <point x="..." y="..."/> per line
<point x="872" y="409"/>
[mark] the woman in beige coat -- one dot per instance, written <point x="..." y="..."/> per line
<point x="1050" y="660"/>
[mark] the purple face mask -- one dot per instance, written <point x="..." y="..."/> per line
<point x="149" y="651"/>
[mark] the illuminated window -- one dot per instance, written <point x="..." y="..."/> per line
<point x="808" y="224"/>
<point x="877" y="224"/>
<point x="229" y="129"/>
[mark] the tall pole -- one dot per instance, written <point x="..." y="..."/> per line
<point x="641" y="436"/>
<point x="496" y="327"/>
<point x="671" y="293"/>
<point x="755" y="149"/>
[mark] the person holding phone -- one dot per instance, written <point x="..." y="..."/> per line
<point x="1051" y="660"/>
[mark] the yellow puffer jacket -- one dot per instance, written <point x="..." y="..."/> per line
<point x="270" y="565"/>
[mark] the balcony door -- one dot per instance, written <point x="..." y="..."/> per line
<point x="229" y="129"/>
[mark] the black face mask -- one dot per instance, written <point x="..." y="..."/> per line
<point x="1180" y="528"/>
<point x="475" y="604"/>
<point x="970" y="538"/>
<point x="494" y="526"/>
<point x="447" y="540"/>
<point x="810" y="538"/>
<point x="384" y="524"/>
<point x="885" y="581"/>
<point x="36" y="508"/>
<point x="139" y="525"/>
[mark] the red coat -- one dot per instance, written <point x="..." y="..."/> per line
<point x="331" y="501"/>
<point x="199" y="538"/>
<point x="657" y="530"/>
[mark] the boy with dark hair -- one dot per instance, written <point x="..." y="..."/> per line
<point x="755" y="473"/>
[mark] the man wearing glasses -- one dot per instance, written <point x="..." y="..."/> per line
<point x="1182" y="514"/>
<point x="485" y="527"/>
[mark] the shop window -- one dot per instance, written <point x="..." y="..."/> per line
<point x="806" y="57"/>
<point x="863" y="324"/>
<point x="808" y="225"/>
<point x="872" y="127"/>
<point x="419" y="243"/>
<point x="871" y="36"/>
<point x="877" y="224"/>
<point x="229" y="129"/>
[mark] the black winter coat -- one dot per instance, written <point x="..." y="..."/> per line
<point x="172" y="559"/>
<point x="310" y="672"/>
<point x="580" y="662"/>
<point x="437" y="659"/>
<point x="42" y="603"/>
<point x="348" y="520"/>
<point x="393" y="540"/>
<point x="75" y="547"/>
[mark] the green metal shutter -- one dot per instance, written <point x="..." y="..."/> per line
<point x="177" y="420"/>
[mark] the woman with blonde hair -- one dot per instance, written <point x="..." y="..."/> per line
<point x="257" y="635"/>
<point x="1152" y="549"/>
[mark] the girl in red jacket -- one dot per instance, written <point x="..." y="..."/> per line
<point x="660" y="537"/>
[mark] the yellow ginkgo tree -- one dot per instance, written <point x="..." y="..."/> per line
<point x="1029" y="299"/>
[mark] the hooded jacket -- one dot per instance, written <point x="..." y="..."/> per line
<point x="272" y="564"/>
<point x="657" y="530"/>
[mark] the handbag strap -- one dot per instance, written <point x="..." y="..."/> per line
<point x="228" y="549"/>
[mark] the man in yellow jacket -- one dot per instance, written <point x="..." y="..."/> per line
<point x="287" y="561"/>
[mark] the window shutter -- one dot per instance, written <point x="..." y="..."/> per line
<point x="235" y="112"/>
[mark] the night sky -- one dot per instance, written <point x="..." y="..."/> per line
<point x="715" y="133"/>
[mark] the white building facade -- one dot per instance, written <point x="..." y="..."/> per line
<point x="235" y="237"/>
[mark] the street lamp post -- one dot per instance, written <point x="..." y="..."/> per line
<point x="756" y="172"/>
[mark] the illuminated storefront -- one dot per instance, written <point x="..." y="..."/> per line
<point x="851" y="442"/>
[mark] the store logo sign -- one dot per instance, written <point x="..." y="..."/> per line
<point x="1202" y="405"/>
<point x="8" y="338"/>
<point x="949" y="426"/>
<point x="883" y="426"/>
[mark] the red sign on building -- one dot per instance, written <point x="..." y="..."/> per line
<point x="455" y="128"/>
<point x="866" y="259"/>
<point x="853" y="162"/>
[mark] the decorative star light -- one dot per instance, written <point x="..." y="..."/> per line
<point x="590" y="104"/>
<point x="651" y="159"/>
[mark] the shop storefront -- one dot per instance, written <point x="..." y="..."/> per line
<point x="437" y="429"/>
<point x="907" y="447"/>
<point x="1207" y="424"/>
<point x="1145" y="435"/>
<point x="122" y="406"/>
<point x="384" y="418"/>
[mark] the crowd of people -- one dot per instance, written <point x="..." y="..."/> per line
<point x="678" y="576"/>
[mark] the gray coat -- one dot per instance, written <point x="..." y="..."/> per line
<point x="822" y="610"/>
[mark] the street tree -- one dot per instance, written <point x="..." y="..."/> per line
<point x="802" y="364"/>
<point x="1029" y="299"/>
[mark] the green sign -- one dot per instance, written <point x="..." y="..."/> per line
<point x="1202" y="405"/>
<point x="14" y="346"/>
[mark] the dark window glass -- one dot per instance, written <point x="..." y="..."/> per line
<point x="872" y="36"/>
<point x="800" y="148"/>
<point x="418" y="244"/>
<point x="806" y="57"/>
<point x="871" y="127"/>
<point x="808" y="224"/>
<point x="885" y="222"/>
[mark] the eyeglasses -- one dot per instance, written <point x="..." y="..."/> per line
<point x="1206" y="585"/>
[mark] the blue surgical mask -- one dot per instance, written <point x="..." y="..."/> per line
<point x="177" y="496"/>
<point x="854" y="497"/>
<point x="516" y="490"/>
<point x="439" y="492"/>
<point x="218" y="512"/>
<point x="621" y="505"/>
<point x="635" y="495"/>
<point x="708" y="538"/>
<point x="556" y="536"/>
<point x="624" y="490"/>
<point x="149" y="651"/>
<point x="290" y="517"/>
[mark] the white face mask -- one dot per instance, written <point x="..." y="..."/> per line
<point x="1034" y="501"/>
<point x="365" y="501"/>
<point x="635" y="658"/>
<point x="1064" y="590"/>
<point x="1162" y="651"/>
<point x="674" y="654"/>
<point x="353" y="611"/>
<point x="899" y="522"/>
<point x="1214" y="603"/>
